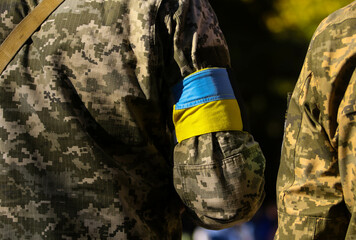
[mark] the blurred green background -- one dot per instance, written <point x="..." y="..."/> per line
<point x="268" y="40"/>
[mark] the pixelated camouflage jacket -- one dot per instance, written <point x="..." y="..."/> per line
<point x="316" y="180"/>
<point x="85" y="150"/>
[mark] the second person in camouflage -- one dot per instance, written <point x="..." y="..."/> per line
<point x="316" y="188"/>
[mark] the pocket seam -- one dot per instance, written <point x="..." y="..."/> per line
<point x="224" y="161"/>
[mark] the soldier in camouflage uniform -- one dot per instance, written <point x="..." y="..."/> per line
<point x="316" y="187"/>
<point x="85" y="125"/>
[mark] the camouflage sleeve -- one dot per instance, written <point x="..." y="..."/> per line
<point x="346" y="135"/>
<point x="316" y="178"/>
<point x="220" y="175"/>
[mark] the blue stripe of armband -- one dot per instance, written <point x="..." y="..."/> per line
<point x="204" y="86"/>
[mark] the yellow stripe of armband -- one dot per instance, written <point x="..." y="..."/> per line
<point x="222" y="115"/>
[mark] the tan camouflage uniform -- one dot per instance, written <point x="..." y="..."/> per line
<point x="84" y="147"/>
<point x="316" y="183"/>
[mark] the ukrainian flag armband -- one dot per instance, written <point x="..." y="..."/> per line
<point x="204" y="103"/>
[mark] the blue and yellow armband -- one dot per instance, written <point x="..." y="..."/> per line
<point x="204" y="103"/>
